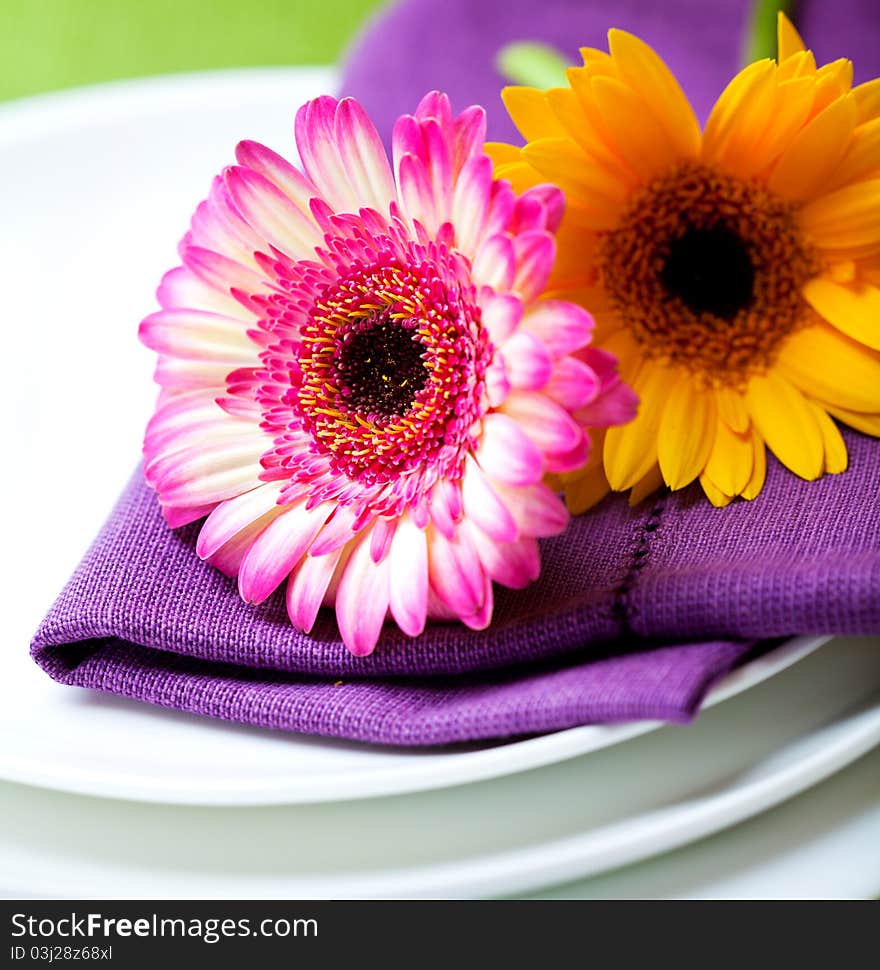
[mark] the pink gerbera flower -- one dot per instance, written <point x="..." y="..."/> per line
<point x="361" y="387"/>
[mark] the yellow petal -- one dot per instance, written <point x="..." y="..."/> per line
<point x="715" y="495"/>
<point x="732" y="409"/>
<point x="805" y="167"/>
<point x="686" y="434"/>
<point x="853" y="309"/>
<point x="784" y="116"/>
<point x="599" y="62"/>
<point x="730" y="464"/>
<point x="631" y="449"/>
<point x="759" y="468"/>
<point x="502" y="154"/>
<point x="564" y="163"/>
<point x="845" y="218"/>
<point x="835" y="448"/>
<point x="783" y="418"/>
<point x="647" y="486"/>
<point x="866" y="423"/>
<point x="830" y="367"/>
<point x="742" y="102"/>
<point x="788" y="39"/>
<point x="867" y="97"/>
<point x="640" y="67"/>
<point x="586" y="491"/>
<point x="862" y="158"/>
<point x="521" y="176"/>
<point x="801" y="64"/>
<point x="638" y="135"/>
<point x="582" y="124"/>
<point x="530" y="113"/>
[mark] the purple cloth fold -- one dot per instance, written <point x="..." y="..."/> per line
<point x="419" y="45"/>
<point x="637" y="612"/>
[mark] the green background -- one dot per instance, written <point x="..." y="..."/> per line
<point x="50" y="44"/>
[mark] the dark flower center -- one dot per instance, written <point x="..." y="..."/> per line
<point x="711" y="271"/>
<point x="381" y="368"/>
<point x="706" y="271"/>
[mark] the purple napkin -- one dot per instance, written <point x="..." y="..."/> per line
<point x="636" y="614"/>
<point x="419" y="45"/>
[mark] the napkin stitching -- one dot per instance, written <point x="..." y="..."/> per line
<point x="622" y="608"/>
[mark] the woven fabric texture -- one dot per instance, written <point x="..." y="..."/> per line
<point x="636" y="614"/>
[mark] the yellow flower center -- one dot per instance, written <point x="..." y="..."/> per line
<point x="706" y="272"/>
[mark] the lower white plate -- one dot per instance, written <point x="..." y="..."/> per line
<point x="137" y="157"/>
<point x="513" y="834"/>
<point x="823" y="844"/>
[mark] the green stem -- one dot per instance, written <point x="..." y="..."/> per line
<point x="760" y="41"/>
<point x="535" y="65"/>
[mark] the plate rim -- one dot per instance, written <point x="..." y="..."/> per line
<point x="467" y="767"/>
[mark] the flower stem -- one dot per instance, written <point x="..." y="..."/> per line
<point x="760" y="40"/>
<point x="532" y="64"/>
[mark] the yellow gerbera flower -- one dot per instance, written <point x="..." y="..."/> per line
<point x="734" y="271"/>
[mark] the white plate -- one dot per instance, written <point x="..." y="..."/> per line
<point x="97" y="188"/>
<point x="513" y="834"/>
<point x="823" y="844"/>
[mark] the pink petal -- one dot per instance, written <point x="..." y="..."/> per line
<point x="181" y="288"/>
<point x="470" y="134"/>
<point x="416" y="193"/>
<point x="455" y="571"/>
<point x="278" y="170"/>
<point x="616" y="404"/>
<point x="534" y="252"/>
<point x="470" y="204"/>
<point x="229" y="556"/>
<point x="483" y="616"/>
<point x="501" y="315"/>
<point x="446" y="506"/>
<point x="221" y="273"/>
<point x="527" y="362"/>
<point x="278" y="549"/>
<point x="572" y="383"/>
<point x="338" y="531"/>
<point x="223" y="482"/>
<point x="552" y="204"/>
<point x="561" y="326"/>
<point x="197" y="334"/>
<point x="363" y="157"/>
<point x="308" y="586"/>
<point x="484" y="507"/>
<point x="316" y="142"/>
<point x="506" y="453"/>
<point x="536" y="509"/>
<point x="272" y="214"/>
<point x="233" y="515"/>
<point x="495" y="264"/>
<point x="181" y="373"/>
<point x="362" y="600"/>
<point x="383" y="533"/>
<point x="569" y="461"/>
<point x="183" y="516"/>
<point x="513" y="564"/>
<point x="551" y="427"/>
<point x="408" y="578"/>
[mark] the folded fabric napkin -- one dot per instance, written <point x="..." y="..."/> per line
<point x="636" y="614"/>
<point x="418" y="45"/>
